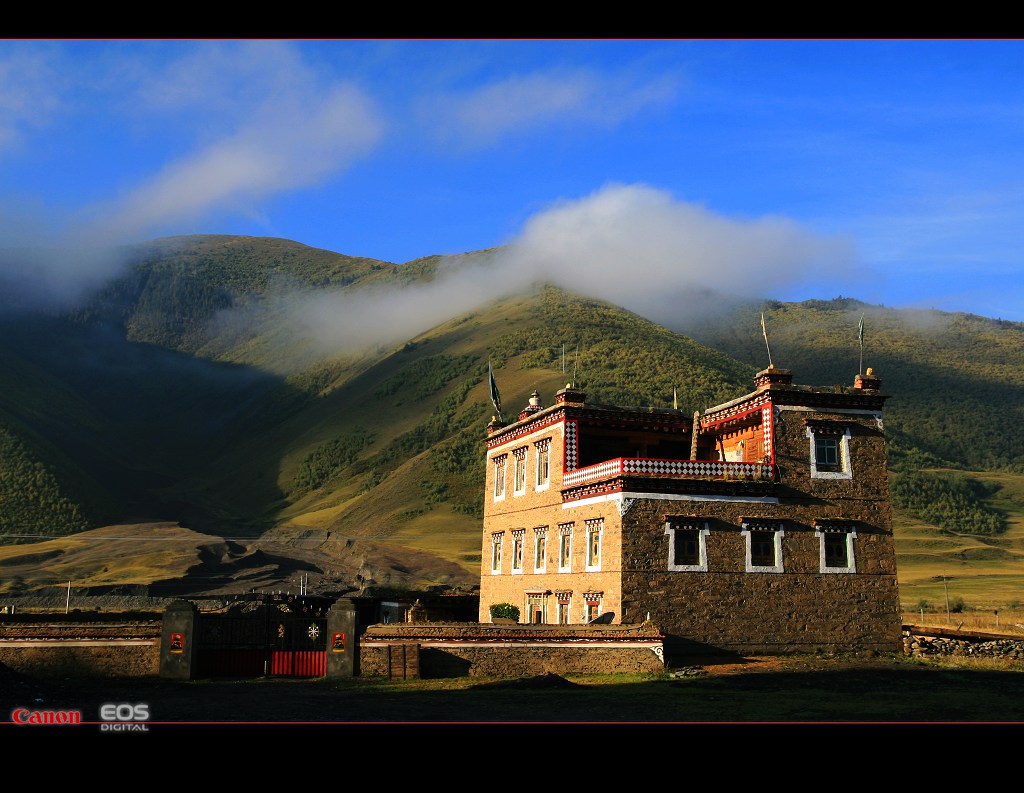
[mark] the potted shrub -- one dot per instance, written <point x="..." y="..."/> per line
<point x="504" y="613"/>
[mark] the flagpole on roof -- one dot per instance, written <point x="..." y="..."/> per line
<point x="764" y="330"/>
<point x="860" y="338"/>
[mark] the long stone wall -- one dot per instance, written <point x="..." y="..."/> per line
<point x="81" y="649"/>
<point x="460" y="649"/>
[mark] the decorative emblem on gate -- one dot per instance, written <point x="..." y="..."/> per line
<point x="314" y="631"/>
<point x="280" y="630"/>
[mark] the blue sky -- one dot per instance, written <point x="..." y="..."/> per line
<point x="888" y="170"/>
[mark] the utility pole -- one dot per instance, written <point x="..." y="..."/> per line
<point x="67" y="606"/>
<point x="946" y="590"/>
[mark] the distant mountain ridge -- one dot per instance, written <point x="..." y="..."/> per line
<point x="138" y="406"/>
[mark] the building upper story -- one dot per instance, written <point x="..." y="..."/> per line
<point x="781" y="440"/>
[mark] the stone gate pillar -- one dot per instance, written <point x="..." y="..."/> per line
<point x="342" y="639"/>
<point x="178" y="640"/>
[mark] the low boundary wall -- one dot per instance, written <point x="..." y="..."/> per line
<point x="919" y="640"/>
<point x="94" y="648"/>
<point x="433" y="650"/>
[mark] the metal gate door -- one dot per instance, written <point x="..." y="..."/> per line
<point x="231" y="646"/>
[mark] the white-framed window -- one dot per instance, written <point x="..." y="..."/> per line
<point x="537" y="607"/>
<point x="564" y="607"/>
<point x="836" y="546"/>
<point x="595" y="529"/>
<point x="540" y="549"/>
<point x="592" y="605"/>
<point x="763" y="545"/>
<point x="543" y="463"/>
<point x="565" y="547"/>
<point x="518" y="539"/>
<point x="519" y="476"/>
<point x="830" y="451"/>
<point x="497" y="541"/>
<point x="687" y="545"/>
<point x="499" y="476"/>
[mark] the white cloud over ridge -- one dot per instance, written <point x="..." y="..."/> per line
<point x="632" y="245"/>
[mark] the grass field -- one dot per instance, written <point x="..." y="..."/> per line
<point x="977" y="576"/>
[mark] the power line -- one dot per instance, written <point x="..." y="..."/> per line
<point x="212" y="538"/>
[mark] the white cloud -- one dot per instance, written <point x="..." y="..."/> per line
<point x="252" y="120"/>
<point x="287" y="146"/>
<point x="661" y="257"/>
<point x="524" y="103"/>
<point x="29" y="93"/>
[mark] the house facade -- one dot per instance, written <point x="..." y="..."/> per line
<point x="761" y="525"/>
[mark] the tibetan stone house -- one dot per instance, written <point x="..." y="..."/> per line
<point x="761" y="525"/>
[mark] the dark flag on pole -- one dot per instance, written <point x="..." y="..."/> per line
<point x="495" y="396"/>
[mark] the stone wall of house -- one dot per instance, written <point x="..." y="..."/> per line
<point x="81" y="649"/>
<point x="797" y="610"/>
<point x="458" y="650"/>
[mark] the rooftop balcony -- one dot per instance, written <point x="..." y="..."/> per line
<point x="669" y="469"/>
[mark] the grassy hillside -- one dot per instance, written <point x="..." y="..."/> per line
<point x="172" y="286"/>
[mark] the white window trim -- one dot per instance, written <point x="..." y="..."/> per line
<point x="590" y="527"/>
<point x="567" y="568"/>
<point x="537" y="537"/>
<point x="500" y="461"/>
<point x="516" y="458"/>
<point x="568" y="612"/>
<point x="518" y="536"/>
<point x="497" y="543"/>
<point x="545" y="444"/>
<point x="846" y="470"/>
<point x="851" y="535"/>
<point x="778" y="566"/>
<point x="702" y="534"/>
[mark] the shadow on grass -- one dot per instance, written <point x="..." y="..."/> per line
<point x="890" y="692"/>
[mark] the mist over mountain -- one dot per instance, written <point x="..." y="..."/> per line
<point x="260" y="389"/>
